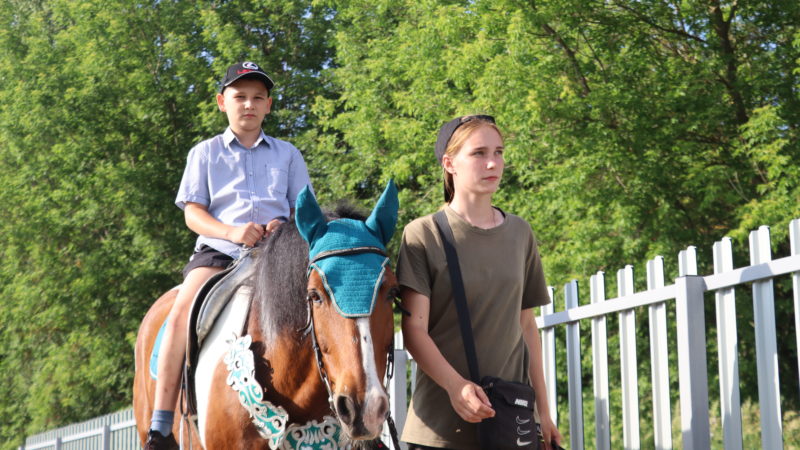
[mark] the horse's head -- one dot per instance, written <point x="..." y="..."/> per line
<point x="351" y="290"/>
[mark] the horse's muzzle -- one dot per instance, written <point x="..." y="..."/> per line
<point x="363" y="421"/>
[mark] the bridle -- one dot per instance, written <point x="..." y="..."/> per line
<point x="309" y="329"/>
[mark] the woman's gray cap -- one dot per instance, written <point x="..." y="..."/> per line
<point x="447" y="130"/>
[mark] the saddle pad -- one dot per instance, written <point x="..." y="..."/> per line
<point x="156" y="349"/>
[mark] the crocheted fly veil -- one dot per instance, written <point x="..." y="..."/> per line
<point x="348" y="254"/>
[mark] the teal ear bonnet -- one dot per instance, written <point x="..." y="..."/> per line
<point x="352" y="280"/>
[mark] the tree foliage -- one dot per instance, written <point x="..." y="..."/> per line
<point x="632" y="129"/>
<point x="101" y="102"/>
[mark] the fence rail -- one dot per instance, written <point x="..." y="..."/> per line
<point x="688" y="292"/>
<point x="115" y="431"/>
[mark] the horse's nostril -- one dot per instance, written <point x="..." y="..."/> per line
<point x="345" y="409"/>
<point x="383" y="407"/>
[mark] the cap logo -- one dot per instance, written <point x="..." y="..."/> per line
<point x="250" y="65"/>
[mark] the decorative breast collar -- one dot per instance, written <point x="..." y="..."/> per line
<point x="270" y="420"/>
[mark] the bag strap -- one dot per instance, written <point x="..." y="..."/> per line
<point x="448" y="242"/>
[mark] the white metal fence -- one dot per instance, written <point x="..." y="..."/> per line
<point x="115" y="431"/>
<point x="686" y="293"/>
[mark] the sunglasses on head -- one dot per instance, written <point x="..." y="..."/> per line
<point x="466" y="119"/>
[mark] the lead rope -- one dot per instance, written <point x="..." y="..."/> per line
<point x="389" y="375"/>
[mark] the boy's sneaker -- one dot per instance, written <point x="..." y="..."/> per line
<point x="157" y="441"/>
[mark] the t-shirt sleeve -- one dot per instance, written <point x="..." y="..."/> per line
<point x="535" y="293"/>
<point x="298" y="177"/>
<point x="194" y="184"/>
<point x="412" y="260"/>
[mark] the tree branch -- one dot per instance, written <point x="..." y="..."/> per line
<point x="570" y="56"/>
<point x="648" y="21"/>
<point x="722" y="28"/>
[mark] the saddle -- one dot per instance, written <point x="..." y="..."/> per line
<point x="236" y="281"/>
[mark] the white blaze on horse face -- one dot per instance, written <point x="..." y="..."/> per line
<point x="375" y="398"/>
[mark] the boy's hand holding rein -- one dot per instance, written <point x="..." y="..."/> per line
<point x="248" y="234"/>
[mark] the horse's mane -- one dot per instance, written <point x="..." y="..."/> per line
<point x="280" y="278"/>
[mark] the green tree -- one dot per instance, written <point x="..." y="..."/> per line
<point x="633" y="129"/>
<point x="101" y="102"/>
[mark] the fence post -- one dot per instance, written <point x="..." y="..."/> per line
<point x="769" y="396"/>
<point x="687" y="261"/>
<point x="549" y="358"/>
<point x="597" y="292"/>
<point x="727" y="341"/>
<point x="574" y="370"/>
<point x="794" y="244"/>
<point x="692" y="375"/>
<point x="105" y="439"/>
<point x="397" y="389"/>
<point x="628" y="363"/>
<point x="659" y="359"/>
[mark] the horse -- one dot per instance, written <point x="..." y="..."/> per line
<point x="316" y="340"/>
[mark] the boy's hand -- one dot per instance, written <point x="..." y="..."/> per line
<point x="270" y="227"/>
<point x="247" y="234"/>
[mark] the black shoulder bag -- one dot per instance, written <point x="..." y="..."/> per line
<point x="513" y="426"/>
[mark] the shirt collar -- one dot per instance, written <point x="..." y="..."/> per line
<point x="228" y="137"/>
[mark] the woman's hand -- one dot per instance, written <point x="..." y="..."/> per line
<point x="469" y="401"/>
<point x="550" y="432"/>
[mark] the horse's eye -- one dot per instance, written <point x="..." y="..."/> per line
<point x="313" y="295"/>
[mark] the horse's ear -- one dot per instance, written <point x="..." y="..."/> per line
<point x="384" y="217"/>
<point x="308" y="216"/>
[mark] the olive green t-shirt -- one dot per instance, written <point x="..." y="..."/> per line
<point x="503" y="275"/>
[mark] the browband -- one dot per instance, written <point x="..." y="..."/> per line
<point x="348" y="251"/>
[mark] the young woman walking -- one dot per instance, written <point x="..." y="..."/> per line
<point x="503" y="280"/>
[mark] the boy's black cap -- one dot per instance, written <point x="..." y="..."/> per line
<point x="447" y="130"/>
<point x="245" y="69"/>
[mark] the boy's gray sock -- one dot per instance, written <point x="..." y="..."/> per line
<point x="162" y="421"/>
